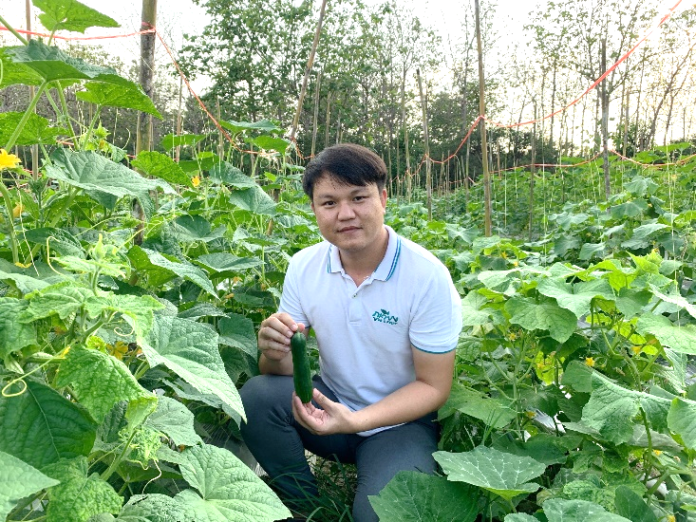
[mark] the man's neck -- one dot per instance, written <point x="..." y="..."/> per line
<point x="362" y="264"/>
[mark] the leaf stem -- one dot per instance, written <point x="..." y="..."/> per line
<point x="25" y="117"/>
<point x="13" y="31"/>
<point x="117" y="461"/>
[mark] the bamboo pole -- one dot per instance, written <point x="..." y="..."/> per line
<point x="482" y="126"/>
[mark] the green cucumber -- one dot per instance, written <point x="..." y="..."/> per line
<point x="302" y="375"/>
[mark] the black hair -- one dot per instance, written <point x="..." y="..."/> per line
<point x="349" y="164"/>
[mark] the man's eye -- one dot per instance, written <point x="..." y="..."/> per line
<point x="358" y="198"/>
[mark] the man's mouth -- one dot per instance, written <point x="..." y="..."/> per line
<point x="348" y="229"/>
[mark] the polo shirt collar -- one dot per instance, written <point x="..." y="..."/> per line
<point x="386" y="267"/>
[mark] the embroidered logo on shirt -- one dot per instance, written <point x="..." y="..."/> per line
<point x="383" y="316"/>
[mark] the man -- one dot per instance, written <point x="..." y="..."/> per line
<point x="386" y="318"/>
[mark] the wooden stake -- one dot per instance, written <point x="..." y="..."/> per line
<point x="482" y="126"/>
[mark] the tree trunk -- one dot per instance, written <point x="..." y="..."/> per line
<point x="308" y="70"/>
<point x="327" y="122"/>
<point x="315" y="118"/>
<point x="428" y="174"/>
<point x="532" y="174"/>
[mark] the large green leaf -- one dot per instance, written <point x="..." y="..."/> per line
<point x="156" y="508"/>
<point x="190" y="350"/>
<point x="37" y="129"/>
<point x="500" y="473"/>
<point x="682" y="420"/>
<point x="229" y="489"/>
<point x="493" y="412"/>
<point x="641" y="235"/>
<point x="632" y="506"/>
<point x="544" y="315"/>
<point x="14" y="335"/>
<point x="79" y="496"/>
<point x="611" y="410"/>
<point x="475" y="312"/>
<point x="170" y="141"/>
<point x="679" y="338"/>
<point x="270" y="143"/>
<point x="239" y="126"/>
<point x="40" y="426"/>
<point x="254" y="200"/>
<point x="417" y="497"/>
<point x="188" y="229"/>
<point x="147" y="260"/>
<point x="238" y="332"/>
<point x="99" y="381"/>
<point x="576" y="297"/>
<point x="17" y="481"/>
<point x="51" y="64"/>
<point x="161" y="166"/>
<point x="139" y="309"/>
<point x="126" y="96"/>
<point x="561" y="510"/>
<point x="16" y="73"/>
<point x="62" y="299"/>
<point x="225" y="265"/>
<point x="71" y="15"/>
<point x="227" y="173"/>
<point x="175" y="420"/>
<point x="93" y="172"/>
<point x="57" y="239"/>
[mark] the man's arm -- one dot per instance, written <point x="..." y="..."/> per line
<point x="427" y="393"/>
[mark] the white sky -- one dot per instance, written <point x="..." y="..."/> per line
<point x="176" y="17"/>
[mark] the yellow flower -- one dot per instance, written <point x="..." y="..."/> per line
<point x="589" y="361"/>
<point x="22" y="265"/>
<point x="17" y="211"/>
<point x="657" y="452"/>
<point x="671" y="518"/>
<point x="196" y="180"/>
<point x="530" y="414"/>
<point x="8" y="161"/>
<point x="636" y="349"/>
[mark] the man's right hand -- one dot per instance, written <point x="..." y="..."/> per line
<point x="274" y="343"/>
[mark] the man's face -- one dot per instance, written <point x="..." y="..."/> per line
<point x="349" y="216"/>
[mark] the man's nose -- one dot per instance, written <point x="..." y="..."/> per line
<point x="345" y="211"/>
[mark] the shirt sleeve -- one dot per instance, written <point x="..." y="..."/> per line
<point x="290" y="302"/>
<point x="436" y="320"/>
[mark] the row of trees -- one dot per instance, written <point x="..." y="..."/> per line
<point x="363" y="85"/>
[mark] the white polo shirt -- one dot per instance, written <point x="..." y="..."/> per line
<point x="365" y="333"/>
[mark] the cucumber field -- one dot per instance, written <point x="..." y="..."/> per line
<point x="146" y="231"/>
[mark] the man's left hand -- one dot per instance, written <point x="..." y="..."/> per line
<point x="331" y="417"/>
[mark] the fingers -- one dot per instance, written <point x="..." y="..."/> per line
<point x="275" y="333"/>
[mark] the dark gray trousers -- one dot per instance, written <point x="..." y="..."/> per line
<point x="278" y="443"/>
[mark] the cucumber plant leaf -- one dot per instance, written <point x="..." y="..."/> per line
<point x="99" y="381"/>
<point x="19" y="480"/>
<point x="228" y="488"/>
<point x="170" y="140"/>
<point x="79" y="496"/>
<point x="682" y="420"/>
<point x="237" y="331"/>
<point x="190" y="350"/>
<point x="175" y="420"/>
<point x="15" y="335"/>
<point x="631" y="505"/>
<point x="500" y="473"/>
<point x="679" y="338"/>
<point x="92" y="172"/>
<point x="544" y="315"/>
<point x="576" y="297"/>
<point x="188" y="229"/>
<point x="161" y="166"/>
<point x="57" y="239"/>
<point x="40" y="426"/>
<point x="254" y="200"/>
<point x="160" y="269"/>
<point x="225" y="265"/>
<point x="418" y="497"/>
<point x="71" y="15"/>
<point x="230" y="175"/>
<point x="562" y="510"/>
<point x="125" y="96"/>
<point x="37" y="129"/>
<point x="51" y="64"/>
